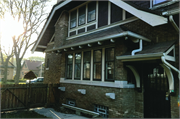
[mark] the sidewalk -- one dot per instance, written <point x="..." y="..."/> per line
<point x="51" y="113"/>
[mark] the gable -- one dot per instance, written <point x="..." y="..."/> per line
<point x="49" y="29"/>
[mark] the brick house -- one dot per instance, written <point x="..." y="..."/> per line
<point x="117" y="58"/>
<point x="29" y="65"/>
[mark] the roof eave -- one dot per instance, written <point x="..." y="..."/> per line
<point x="140" y="57"/>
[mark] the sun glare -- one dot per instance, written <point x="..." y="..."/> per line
<point x="9" y="28"/>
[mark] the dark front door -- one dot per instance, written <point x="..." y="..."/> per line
<point x="156" y="98"/>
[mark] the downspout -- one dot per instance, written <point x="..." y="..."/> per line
<point x="137" y="50"/>
<point x="173" y="23"/>
<point x="169" y="65"/>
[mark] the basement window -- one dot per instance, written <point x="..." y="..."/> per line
<point x="71" y="102"/>
<point x="102" y="110"/>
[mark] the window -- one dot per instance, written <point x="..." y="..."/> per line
<point x="82" y="15"/>
<point x="109" y="66"/>
<point x="73" y="19"/>
<point x="87" y="65"/>
<point x="77" y="70"/>
<point x="91" y="11"/>
<point x="102" y="110"/>
<point x="158" y="1"/>
<point x="97" y="65"/>
<point x="69" y="66"/>
<point x="70" y="102"/>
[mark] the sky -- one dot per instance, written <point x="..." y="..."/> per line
<point x="10" y="27"/>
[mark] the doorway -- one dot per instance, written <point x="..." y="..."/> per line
<point x="156" y="97"/>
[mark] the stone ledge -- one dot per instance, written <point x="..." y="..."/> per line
<point x="116" y="84"/>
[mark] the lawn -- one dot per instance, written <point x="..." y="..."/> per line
<point x="22" y="114"/>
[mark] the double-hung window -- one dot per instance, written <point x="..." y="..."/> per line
<point x="77" y="70"/>
<point x="69" y="66"/>
<point x="97" y="65"/>
<point x="87" y="65"/>
<point x="109" y="64"/>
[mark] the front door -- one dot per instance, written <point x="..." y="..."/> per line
<point x="156" y="97"/>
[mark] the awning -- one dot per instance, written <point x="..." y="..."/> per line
<point x="151" y="52"/>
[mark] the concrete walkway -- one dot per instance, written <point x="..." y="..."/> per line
<point x="51" y="113"/>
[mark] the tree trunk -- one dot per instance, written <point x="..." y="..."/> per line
<point x="6" y="69"/>
<point x="18" y="71"/>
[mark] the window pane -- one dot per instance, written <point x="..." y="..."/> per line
<point x="110" y="70"/>
<point x="70" y="58"/>
<point x="77" y="71"/>
<point x="87" y="56"/>
<point x="73" y="19"/>
<point x="158" y="1"/>
<point x="97" y="70"/>
<point x="69" y="71"/>
<point x="97" y="56"/>
<point x="91" y="11"/>
<point x="87" y="65"/>
<point x="78" y="58"/>
<point x="87" y="70"/>
<point x="110" y="54"/>
<point x="82" y="15"/>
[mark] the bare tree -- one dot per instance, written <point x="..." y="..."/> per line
<point x="32" y="14"/>
<point x="5" y="61"/>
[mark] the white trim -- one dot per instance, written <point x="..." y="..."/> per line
<point x="151" y="19"/>
<point x="116" y="84"/>
<point x="170" y="76"/>
<point x="91" y="72"/>
<point x="97" y="14"/>
<point x="48" y="21"/>
<point x="123" y="14"/>
<point x="82" y="64"/>
<point x="168" y="57"/>
<point x="73" y="66"/>
<point x="103" y="65"/>
<point x="136" y="75"/>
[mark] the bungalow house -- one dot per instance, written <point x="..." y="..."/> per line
<point x="116" y="58"/>
<point x="10" y="71"/>
<point x="30" y="65"/>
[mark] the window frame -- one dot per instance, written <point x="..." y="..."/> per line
<point x="87" y="79"/>
<point x="75" y="65"/>
<point x="110" y="80"/>
<point x="97" y="62"/>
<point x="69" y="64"/>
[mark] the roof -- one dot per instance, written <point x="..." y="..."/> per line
<point x="32" y="65"/>
<point x="99" y="36"/>
<point x="48" y="29"/>
<point x="154" y="51"/>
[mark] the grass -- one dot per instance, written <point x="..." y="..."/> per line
<point x="22" y="114"/>
<point x="12" y="82"/>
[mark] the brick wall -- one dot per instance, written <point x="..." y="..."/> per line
<point x="122" y="106"/>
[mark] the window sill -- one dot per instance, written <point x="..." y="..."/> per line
<point x="116" y="84"/>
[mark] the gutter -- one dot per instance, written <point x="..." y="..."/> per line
<point x="125" y="33"/>
<point x="169" y="65"/>
<point x="173" y="23"/>
<point x="137" y="50"/>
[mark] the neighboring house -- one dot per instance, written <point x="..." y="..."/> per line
<point x="29" y="65"/>
<point x="9" y="72"/>
<point x="117" y="58"/>
<point x="41" y="70"/>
